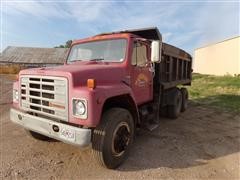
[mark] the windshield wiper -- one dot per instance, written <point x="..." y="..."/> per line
<point x="75" y="60"/>
<point x="96" y="59"/>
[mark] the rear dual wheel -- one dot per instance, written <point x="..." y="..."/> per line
<point x="112" y="139"/>
<point x="175" y="109"/>
<point x="184" y="92"/>
<point x="180" y="103"/>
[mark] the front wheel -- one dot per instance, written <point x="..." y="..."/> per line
<point x="113" y="137"/>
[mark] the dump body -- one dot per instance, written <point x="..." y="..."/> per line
<point x="175" y="67"/>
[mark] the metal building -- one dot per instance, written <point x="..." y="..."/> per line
<point x="222" y="58"/>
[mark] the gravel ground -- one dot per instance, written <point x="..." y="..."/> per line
<point x="202" y="143"/>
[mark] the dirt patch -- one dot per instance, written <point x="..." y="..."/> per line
<point x="202" y="143"/>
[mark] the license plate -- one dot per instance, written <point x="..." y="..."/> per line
<point x="67" y="134"/>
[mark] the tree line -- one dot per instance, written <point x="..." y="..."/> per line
<point x="66" y="45"/>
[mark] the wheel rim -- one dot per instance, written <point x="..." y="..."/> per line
<point x="121" y="139"/>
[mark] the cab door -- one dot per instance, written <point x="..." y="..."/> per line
<point x="141" y="74"/>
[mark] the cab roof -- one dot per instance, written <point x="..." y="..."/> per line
<point x="151" y="33"/>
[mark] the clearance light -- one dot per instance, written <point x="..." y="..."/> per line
<point x="91" y="83"/>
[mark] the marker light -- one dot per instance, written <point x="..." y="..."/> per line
<point x="91" y="83"/>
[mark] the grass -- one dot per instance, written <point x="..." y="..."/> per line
<point x="218" y="91"/>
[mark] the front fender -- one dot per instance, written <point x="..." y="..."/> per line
<point x="96" y="99"/>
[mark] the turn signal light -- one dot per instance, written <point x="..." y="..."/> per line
<point x="91" y="83"/>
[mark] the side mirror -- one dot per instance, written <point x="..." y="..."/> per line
<point x="156" y="51"/>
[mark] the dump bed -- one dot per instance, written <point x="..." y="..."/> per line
<point x="175" y="67"/>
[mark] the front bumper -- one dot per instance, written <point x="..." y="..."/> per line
<point x="45" y="127"/>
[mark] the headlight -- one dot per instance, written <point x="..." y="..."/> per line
<point x="15" y="95"/>
<point x="80" y="108"/>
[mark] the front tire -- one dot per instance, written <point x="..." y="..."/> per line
<point x="113" y="137"/>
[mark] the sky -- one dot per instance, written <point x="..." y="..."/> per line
<point x="185" y="24"/>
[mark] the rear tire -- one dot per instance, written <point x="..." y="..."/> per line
<point x="38" y="136"/>
<point x="163" y="111"/>
<point x="113" y="137"/>
<point x="184" y="92"/>
<point x="175" y="109"/>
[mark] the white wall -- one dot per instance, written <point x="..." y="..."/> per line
<point x="218" y="59"/>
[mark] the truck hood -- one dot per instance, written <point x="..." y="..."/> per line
<point x="79" y="72"/>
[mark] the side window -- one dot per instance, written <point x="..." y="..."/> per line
<point x="139" y="55"/>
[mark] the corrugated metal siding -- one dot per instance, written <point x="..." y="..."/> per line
<point x="33" y="55"/>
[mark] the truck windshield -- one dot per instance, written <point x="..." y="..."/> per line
<point x="104" y="50"/>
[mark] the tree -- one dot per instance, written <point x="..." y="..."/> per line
<point x="67" y="45"/>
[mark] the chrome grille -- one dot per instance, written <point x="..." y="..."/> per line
<point x="45" y="95"/>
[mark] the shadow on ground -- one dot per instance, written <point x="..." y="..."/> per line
<point x="198" y="135"/>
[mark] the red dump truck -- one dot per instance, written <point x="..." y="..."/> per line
<point x="110" y="85"/>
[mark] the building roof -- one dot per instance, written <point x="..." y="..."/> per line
<point x="33" y="55"/>
<point x="211" y="44"/>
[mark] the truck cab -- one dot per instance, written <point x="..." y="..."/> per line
<point x="110" y="85"/>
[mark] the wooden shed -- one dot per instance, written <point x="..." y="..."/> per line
<point x="33" y="57"/>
